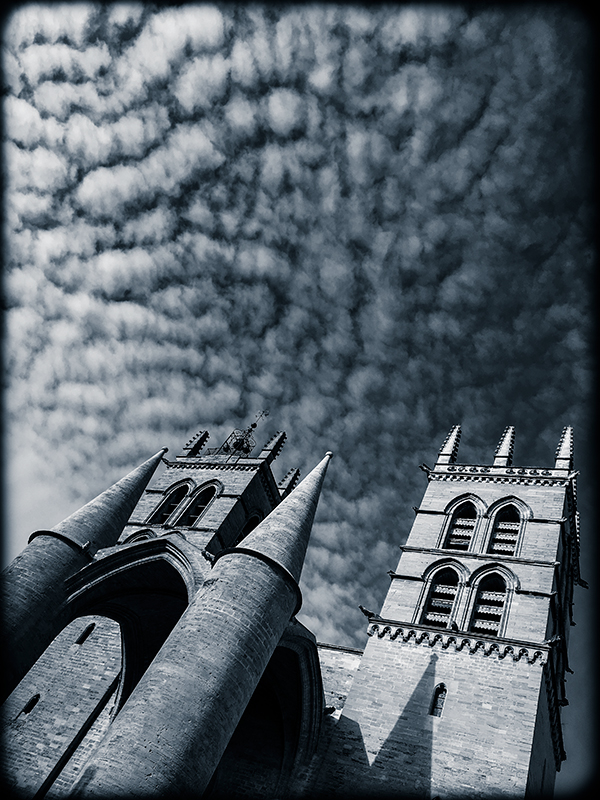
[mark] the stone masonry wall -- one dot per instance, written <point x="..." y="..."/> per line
<point x="387" y="742"/>
<point x="71" y="680"/>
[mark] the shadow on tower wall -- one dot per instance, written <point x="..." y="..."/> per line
<point x="356" y="766"/>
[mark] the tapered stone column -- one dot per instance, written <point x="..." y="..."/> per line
<point x="33" y="585"/>
<point x="173" y="730"/>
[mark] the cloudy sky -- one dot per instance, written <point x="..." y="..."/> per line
<point x="374" y="223"/>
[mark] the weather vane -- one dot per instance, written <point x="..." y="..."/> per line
<point x="242" y="442"/>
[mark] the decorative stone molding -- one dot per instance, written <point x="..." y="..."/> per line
<point x="468" y="644"/>
<point x="211" y="465"/>
<point x="512" y="475"/>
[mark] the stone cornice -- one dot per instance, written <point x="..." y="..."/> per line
<point x="442" y="513"/>
<point x="512" y="475"/>
<point x="460" y="554"/>
<point x="469" y="644"/>
<point x="210" y="465"/>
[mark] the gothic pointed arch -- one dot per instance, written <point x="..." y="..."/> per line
<point x="198" y="504"/>
<point x="461" y="522"/>
<point x="140" y="536"/>
<point x="167" y="506"/>
<point x="441" y="594"/>
<point x="507" y="518"/>
<point x="491" y="591"/>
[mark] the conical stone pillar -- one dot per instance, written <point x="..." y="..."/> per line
<point x="33" y="585"/>
<point x="173" y="730"/>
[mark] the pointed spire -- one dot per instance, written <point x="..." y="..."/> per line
<point x="564" y="451"/>
<point x="506" y="445"/>
<point x="449" y="449"/>
<point x="100" y="522"/>
<point x="283" y="535"/>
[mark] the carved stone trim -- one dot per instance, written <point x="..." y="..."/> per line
<point x="212" y="465"/>
<point x="511" y="475"/>
<point x="443" y="551"/>
<point x="467" y="644"/>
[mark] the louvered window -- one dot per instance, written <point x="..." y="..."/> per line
<point x="505" y="532"/>
<point x="461" y="527"/>
<point x="440" y="600"/>
<point x="168" y="505"/>
<point x="439" y="698"/>
<point x="489" y="605"/>
<point x="197" y="507"/>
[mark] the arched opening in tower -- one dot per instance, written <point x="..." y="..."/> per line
<point x="120" y="616"/>
<point x="261" y="754"/>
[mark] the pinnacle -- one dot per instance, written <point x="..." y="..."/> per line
<point x="564" y="451"/>
<point x="504" y="451"/>
<point x="283" y="535"/>
<point x="449" y="449"/>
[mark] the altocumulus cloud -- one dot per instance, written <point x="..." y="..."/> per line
<point x="374" y="223"/>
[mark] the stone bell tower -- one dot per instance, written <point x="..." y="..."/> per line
<point x="154" y="649"/>
<point x="460" y="687"/>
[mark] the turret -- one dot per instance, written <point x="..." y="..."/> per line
<point x="33" y="585"/>
<point x="173" y="730"/>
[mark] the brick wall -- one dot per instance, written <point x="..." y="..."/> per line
<point x="71" y="680"/>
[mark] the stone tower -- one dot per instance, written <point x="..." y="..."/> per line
<point x="152" y="648"/>
<point x="153" y="640"/>
<point x="460" y="687"/>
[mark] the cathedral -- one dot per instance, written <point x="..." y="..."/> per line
<point x="152" y="649"/>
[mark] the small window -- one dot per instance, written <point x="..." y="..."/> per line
<point x="440" y="601"/>
<point x="489" y="606"/>
<point x="30" y="704"/>
<point x="85" y="633"/>
<point x="197" y="507"/>
<point x="461" y="528"/>
<point x="505" y="532"/>
<point x="439" y="698"/>
<point x="168" y="505"/>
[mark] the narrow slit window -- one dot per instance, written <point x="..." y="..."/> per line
<point x="30" y="704"/>
<point x="197" y="507"/>
<point x="461" y="528"/>
<point x="439" y="698"/>
<point x="505" y="532"/>
<point x="489" y="606"/>
<point x="440" y="601"/>
<point x="168" y="505"/>
<point x="85" y="633"/>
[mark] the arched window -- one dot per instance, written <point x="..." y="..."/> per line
<point x="85" y="633"/>
<point x="440" y="601"/>
<point x="168" y="505"/>
<point x="461" y="527"/>
<point x="439" y="698"/>
<point x="505" y="532"/>
<point x="30" y="705"/>
<point x="140" y="536"/>
<point x="197" y="507"/>
<point x="489" y="605"/>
